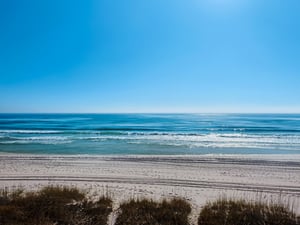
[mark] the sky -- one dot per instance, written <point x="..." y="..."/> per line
<point x="100" y="56"/>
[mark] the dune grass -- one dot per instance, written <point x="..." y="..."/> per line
<point x="240" y="212"/>
<point x="70" y="206"/>
<point x="52" y="205"/>
<point x="148" y="212"/>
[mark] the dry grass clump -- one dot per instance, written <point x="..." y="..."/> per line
<point x="93" y="213"/>
<point x="240" y="212"/>
<point x="69" y="206"/>
<point x="52" y="205"/>
<point x="148" y="212"/>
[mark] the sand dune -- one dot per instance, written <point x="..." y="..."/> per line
<point x="195" y="178"/>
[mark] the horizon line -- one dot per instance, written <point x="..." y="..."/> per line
<point x="149" y="112"/>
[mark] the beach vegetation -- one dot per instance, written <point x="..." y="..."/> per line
<point x="60" y="205"/>
<point x="241" y="212"/>
<point x="52" y="205"/>
<point x="149" y="212"/>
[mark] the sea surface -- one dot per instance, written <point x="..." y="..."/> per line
<point x="162" y="134"/>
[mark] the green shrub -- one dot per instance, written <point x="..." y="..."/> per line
<point x="148" y="212"/>
<point x="240" y="212"/>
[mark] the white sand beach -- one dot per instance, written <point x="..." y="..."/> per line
<point x="198" y="179"/>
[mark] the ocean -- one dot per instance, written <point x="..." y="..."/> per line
<point x="151" y="134"/>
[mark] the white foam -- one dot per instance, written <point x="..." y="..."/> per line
<point x="30" y="131"/>
<point x="211" y="140"/>
<point x="233" y="140"/>
<point x="35" y="142"/>
<point x="59" y="138"/>
<point x="38" y="140"/>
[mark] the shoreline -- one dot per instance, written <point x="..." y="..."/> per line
<point x="198" y="179"/>
<point x="277" y="157"/>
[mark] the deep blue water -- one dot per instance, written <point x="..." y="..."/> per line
<point x="150" y="133"/>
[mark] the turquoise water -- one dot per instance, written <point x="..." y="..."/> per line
<point x="150" y="133"/>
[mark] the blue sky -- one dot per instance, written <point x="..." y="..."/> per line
<point x="150" y="56"/>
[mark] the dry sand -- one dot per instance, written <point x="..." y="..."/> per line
<point x="198" y="179"/>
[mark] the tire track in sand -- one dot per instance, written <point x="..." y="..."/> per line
<point x="294" y="190"/>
